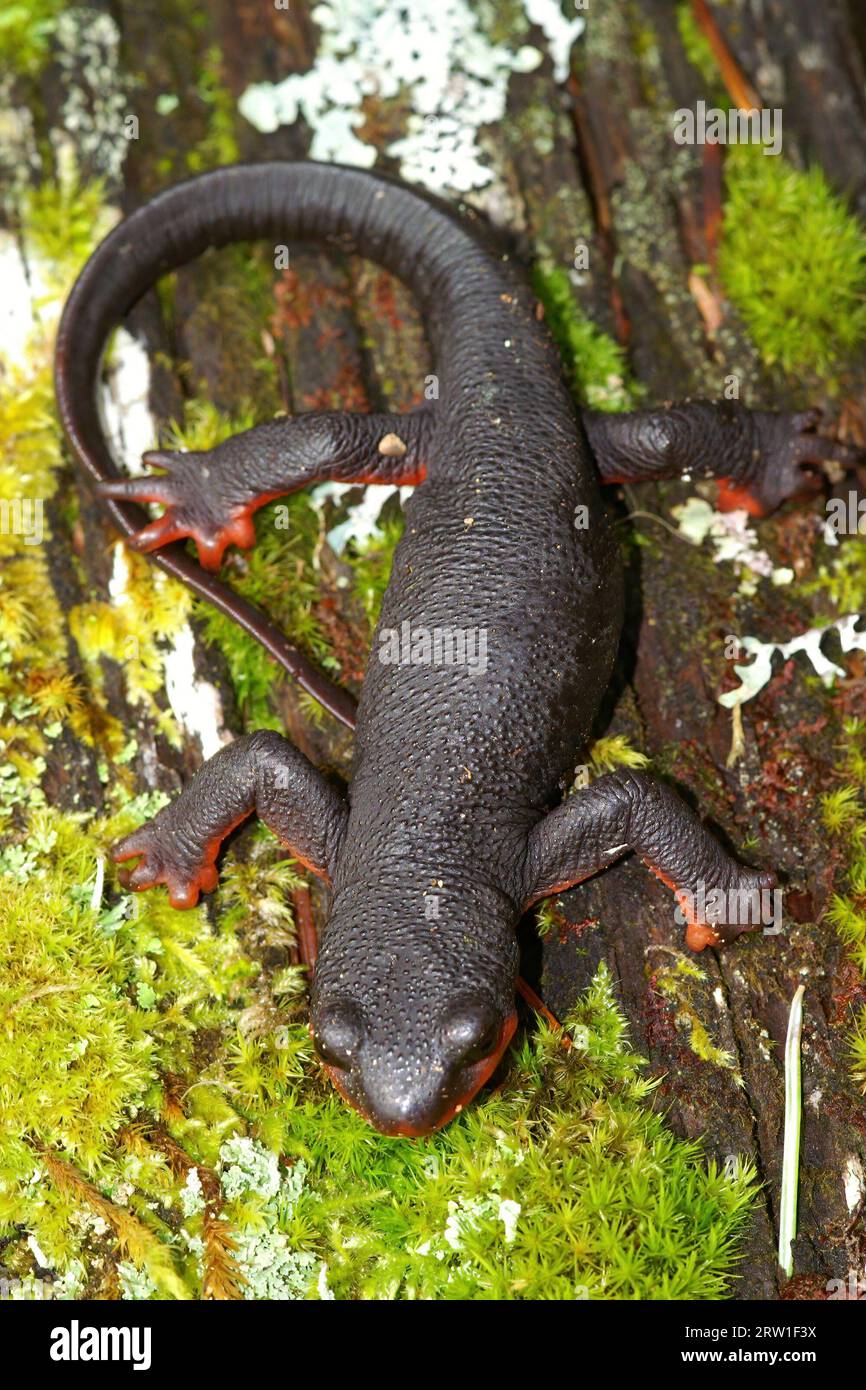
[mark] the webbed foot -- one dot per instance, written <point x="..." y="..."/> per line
<point x="787" y="455"/>
<point x="165" y="858"/>
<point x="193" y="505"/>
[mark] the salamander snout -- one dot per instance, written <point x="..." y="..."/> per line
<point x="411" y="1079"/>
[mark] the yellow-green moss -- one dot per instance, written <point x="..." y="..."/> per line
<point x="26" y="27"/>
<point x="699" y="52"/>
<point x="793" y="260"/>
<point x="596" y="364"/>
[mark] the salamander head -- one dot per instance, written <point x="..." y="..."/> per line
<point x="410" y="1022"/>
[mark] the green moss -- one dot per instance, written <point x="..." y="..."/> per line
<point x="372" y="563"/>
<point x="124" y="1018"/>
<point x="673" y="981"/>
<point x="563" y="1184"/>
<point x="843" y="812"/>
<point x="607" y="754"/>
<point x="793" y="260"/>
<point x="596" y="364"/>
<point x="219" y="146"/>
<point x="26" y="27"/>
<point x="699" y="52"/>
<point x="842" y="579"/>
<point x="65" y="220"/>
<point x="73" y="1058"/>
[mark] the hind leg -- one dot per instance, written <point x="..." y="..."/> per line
<point x="212" y="495"/>
<point x="758" y="456"/>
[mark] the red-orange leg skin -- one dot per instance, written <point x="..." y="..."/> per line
<point x="698" y="934"/>
<point x="733" y="496"/>
<point x="204" y="881"/>
<point x="240" y="530"/>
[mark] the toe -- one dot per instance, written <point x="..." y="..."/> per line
<point x="144" y="489"/>
<point x="164" y="529"/>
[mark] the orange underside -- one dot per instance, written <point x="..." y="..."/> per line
<point x="698" y="934"/>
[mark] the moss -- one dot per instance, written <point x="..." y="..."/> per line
<point x="673" y="981"/>
<point x="607" y="754"/>
<point x="596" y="364"/>
<point x="132" y="630"/>
<point x="372" y="563"/>
<point x="506" y="1203"/>
<point x="139" y="1047"/>
<point x="699" y="52"/>
<point x="793" y="260"/>
<point x="73" y="1058"/>
<point x="26" y="27"/>
<point x="65" y="219"/>
<point x="843" y="812"/>
<point x="842" y="580"/>
<point x="219" y="145"/>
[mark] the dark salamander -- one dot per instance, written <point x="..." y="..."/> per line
<point x="455" y="820"/>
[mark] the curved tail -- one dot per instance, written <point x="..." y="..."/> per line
<point x="416" y="238"/>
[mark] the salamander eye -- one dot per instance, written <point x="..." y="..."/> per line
<point x="472" y="1029"/>
<point x="337" y="1035"/>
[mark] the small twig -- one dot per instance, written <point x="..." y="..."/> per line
<point x="39" y="993"/>
<point x="308" y="941"/>
<point x="528" y="993"/>
<point x="791" y="1150"/>
<point x="737" y="85"/>
<point x="653" y="516"/>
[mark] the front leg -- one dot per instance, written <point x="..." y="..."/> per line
<point x="758" y="456"/>
<point x="261" y="773"/>
<point x="211" y="495"/>
<point x="630" y="811"/>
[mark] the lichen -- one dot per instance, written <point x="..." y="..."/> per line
<point x="453" y="78"/>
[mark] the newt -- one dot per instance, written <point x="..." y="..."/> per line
<point x="455" y="822"/>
